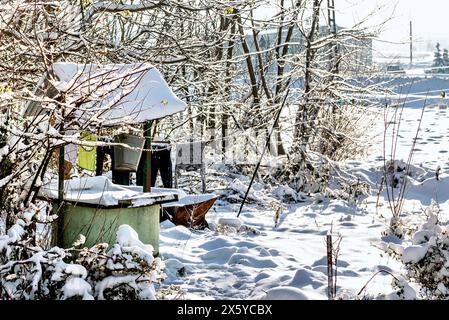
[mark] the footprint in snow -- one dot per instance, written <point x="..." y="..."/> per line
<point x="323" y="262"/>
<point x="308" y="231"/>
<point x="348" y="273"/>
<point x="261" y="276"/>
<point x="348" y="224"/>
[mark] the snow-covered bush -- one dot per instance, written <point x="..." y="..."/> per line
<point x="228" y="225"/>
<point x="128" y="270"/>
<point x="401" y="291"/>
<point x="286" y="194"/>
<point x="426" y="259"/>
<point x="396" y="172"/>
<point x="395" y="228"/>
<point x="396" y="177"/>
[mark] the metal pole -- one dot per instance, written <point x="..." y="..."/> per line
<point x="411" y="44"/>
<point x="333" y="30"/>
<point x="263" y="152"/>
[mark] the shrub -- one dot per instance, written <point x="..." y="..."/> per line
<point x="128" y="270"/>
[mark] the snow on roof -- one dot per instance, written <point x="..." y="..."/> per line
<point x="110" y="94"/>
<point x="100" y="191"/>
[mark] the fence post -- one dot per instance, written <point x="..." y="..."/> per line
<point x="330" y="268"/>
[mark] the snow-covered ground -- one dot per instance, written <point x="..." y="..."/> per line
<point x="420" y="58"/>
<point x="252" y="258"/>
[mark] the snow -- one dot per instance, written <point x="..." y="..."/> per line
<point x="420" y="58"/>
<point x="422" y="236"/>
<point x="414" y="254"/>
<point x="442" y="288"/>
<point x="183" y="198"/>
<point x="257" y="256"/>
<point x="113" y="281"/>
<point x="285" y="293"/>
<point x="16" y="231"/>
<point x="288" y="260"/>
<point x="285" y="192"/>
<point x="188" y="200"/>
<point x="416" y="90"/>
<point x="4" y="151"/>
<point x="128" y="238"/>
<point x="114" y="94"/>
<point x="62" y="268"/>
<point x="233" y="222"/>
<point x="101" y="191"/>
<point x="75" y="287"/>
<point x="408" y="292"/>
<point x="5" y="180"/>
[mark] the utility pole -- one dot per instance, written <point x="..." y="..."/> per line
<point x="333" y="30"/>
<point x="411" y="44"/>
<point x="331" y="16"/>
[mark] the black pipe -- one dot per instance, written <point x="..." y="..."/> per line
<point x="263" y="152"/>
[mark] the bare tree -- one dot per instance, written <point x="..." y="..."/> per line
<point x="231" y="66"/>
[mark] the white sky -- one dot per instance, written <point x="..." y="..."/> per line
<point x="429" y="21"/>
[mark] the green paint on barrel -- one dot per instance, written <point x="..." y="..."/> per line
<point x="99" y="225"/>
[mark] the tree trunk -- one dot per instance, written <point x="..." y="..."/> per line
<point x="306" y="110"/>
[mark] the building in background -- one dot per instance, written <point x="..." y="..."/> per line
<point x="357" y="54"/>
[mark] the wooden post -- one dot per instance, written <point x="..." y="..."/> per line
<point x="61" y="175"/>
<point x="147" y="155"/>
<point x="59" y="241"/>
<point x="330" y="267"/>
<point x="59" y="226"/>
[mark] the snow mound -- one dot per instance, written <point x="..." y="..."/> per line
<point x="305" y="278"/>
<point x="286" y="193"/>
<point x="174" y="269"/>
<point x="285" y="293"/>
<point x="178" y="233"/>
<point x="323" y="262"/>
<point x="77" y="287"/>
<point x="233" y="222"/>
<point x="63" y="268"/>
<point x="128" y="239"/>
<point x="422" y="236"/>
<point x="250" y="261"/>
<point x="414" y="254"/>
<point x="167" y="224"/>
<point x="220" y="255"/>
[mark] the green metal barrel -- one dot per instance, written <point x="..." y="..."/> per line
<point x="100" y="224"/>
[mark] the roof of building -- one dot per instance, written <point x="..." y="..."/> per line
<point x="114" y="94"/>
